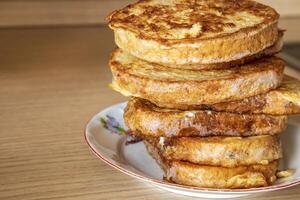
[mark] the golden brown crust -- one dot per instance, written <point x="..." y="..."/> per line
<point x="220" y="151"/>
<point x="146" y="119"/>
<point x="156" y="19"/>
<point x="285" y="100"/>
<point x="151" y="81"/>
<point x="215" y="177"/>
<point x="219" y="177"/>
<point x="186" y="32"/>
<point x="272" y="50"/>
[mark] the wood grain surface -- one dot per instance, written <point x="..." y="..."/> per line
<point x="52" y="81"/>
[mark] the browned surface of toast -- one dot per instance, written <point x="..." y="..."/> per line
<point x="220" y="151"/>
<point x="158" y="20"/>
<point x="146" y="119"/>
<point x="159" y="84"/>
<point x="186" y="173"/>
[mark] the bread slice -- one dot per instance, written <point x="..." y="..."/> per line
<point x="220" y="151"/>
<point x="285" y="100"/>
<point x="165" y="85"/>
<point x="269" y="51"/>
<point x="186" y="173"/>
<point x="145" y="119"/>
<point x="180" y="32"/>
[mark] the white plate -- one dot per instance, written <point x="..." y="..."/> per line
<point x="134" y="160"/>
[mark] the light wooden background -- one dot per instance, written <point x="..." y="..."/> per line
<point x="28" y="13"/>
<point x="52" y="81"/>
<point x="74" y="12"/>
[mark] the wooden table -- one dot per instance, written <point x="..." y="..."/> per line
<point x="52" y="80"/>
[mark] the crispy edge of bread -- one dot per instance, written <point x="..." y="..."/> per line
<point x="186" y="173"/>
<point x="146" y="119"/>
<point x="224" y="48"/>
<point x="269" y="51"/>
<point x="285" y="100"/>
<point x="248" y="80"/>
<point x="220" y="151"/>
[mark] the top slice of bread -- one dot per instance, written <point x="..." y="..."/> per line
<point x="190" y="31"/>
<point x="163" y="85"/>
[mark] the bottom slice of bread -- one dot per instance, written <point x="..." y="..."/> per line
<point x="220" y="151"/>
<point x="186" y="173"/>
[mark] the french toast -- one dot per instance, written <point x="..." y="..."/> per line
<point x="182" y="32"/>
<point x="285" y="100"/>
<point x="145" y="119"/>
<point x="212" y="176"/>
<point x="220" y="151"/>
<point x="269" y="51"/>
<point x="157" y="83"/>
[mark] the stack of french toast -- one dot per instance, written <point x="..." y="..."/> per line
<point x="207" y="95"/>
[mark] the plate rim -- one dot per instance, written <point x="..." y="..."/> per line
<point x="174" y="185"/>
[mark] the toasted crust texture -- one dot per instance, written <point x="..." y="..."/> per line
<point x="285" y="100"/>
<point x="188" y="32"/>
<point x="220" y="151"/>
<point x="145" y="119"/>
<point x="162" y="84"/>
<point x="272" y="50"/>
<point x="219" y="177"/>
<point x="215" y="177"/>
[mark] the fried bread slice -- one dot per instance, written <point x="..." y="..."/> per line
<point x="145" y="119"/>
<point x="220" y="151"/>
<point x="184" y="32"/>
<point x="285" y="100"/>
<point x="165" y="85"/>
<point x="269" y="51"/>
<point x="186" y="173"/>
